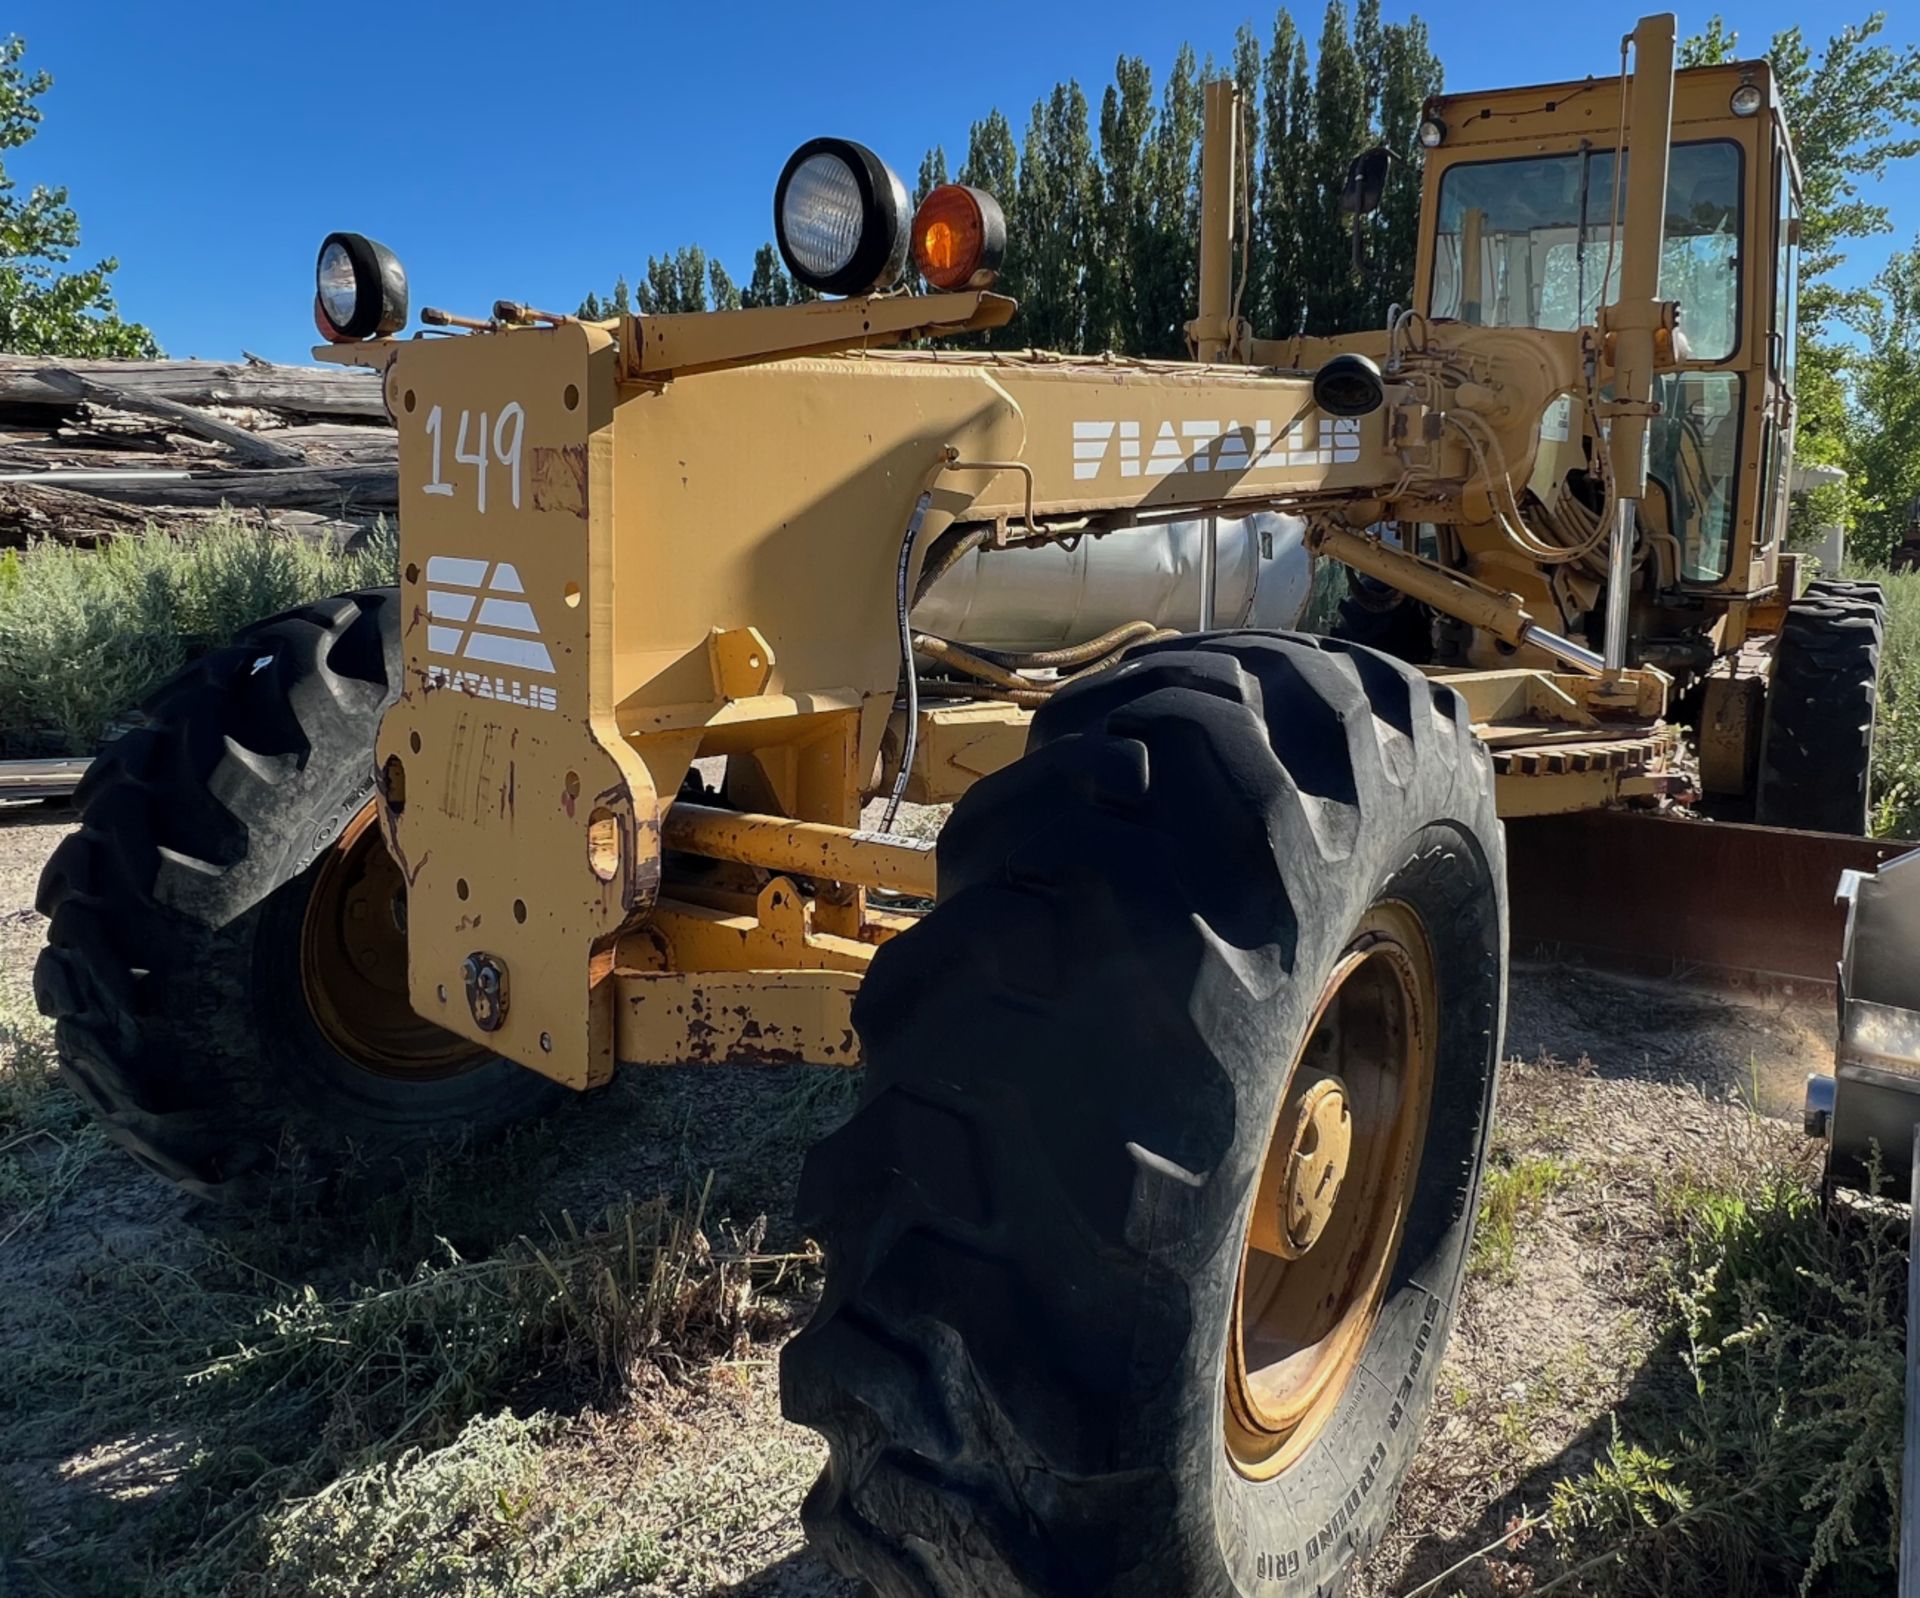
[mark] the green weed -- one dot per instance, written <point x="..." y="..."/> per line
<point x="1513" y="1193"/>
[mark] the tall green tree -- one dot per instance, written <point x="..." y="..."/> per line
<point x="933" y="173"/>
<point x="1250" y="268"/>
<point x="992" y="159"/>
<point x="46" y="309"/>
<point x="726" y="297"/>
<point x="993" y="164"/>
<point x="1409" y="74"/>
<point x="1058" y="189"/>
<point x="1370" y="51"/>
<point x="618" y="303"/>
<point x="769" y="284"/>
<point x="1126" y="119"/>
<point x="1883" y="427"/>
<point x="1279" y="298"/>
<point x="674" y="283"/>
<point x="1167" y="269"/>
<point x="1852" y="108"/>
<point x="1336" y="294"/>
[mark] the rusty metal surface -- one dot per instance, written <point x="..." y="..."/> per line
<point x="834" y="854"/>
<point x="1673" y="896"/>
<point x="1730" y="719"/>
<point x="766" y="1017"/>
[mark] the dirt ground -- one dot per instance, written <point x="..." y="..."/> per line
<point x="1618" y="1089"/>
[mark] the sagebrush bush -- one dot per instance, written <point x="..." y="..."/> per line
<point x="1769" y="1461"/>
<point x="1896" y="741"/>
<point x="86" y="634"/>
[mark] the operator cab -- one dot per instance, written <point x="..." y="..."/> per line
<point x="1522" y="199"/>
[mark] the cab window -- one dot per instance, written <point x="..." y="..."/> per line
<point x="1693" y="453"/>
<point x="1777" y="475"/>
<point x="1524" y="243"/>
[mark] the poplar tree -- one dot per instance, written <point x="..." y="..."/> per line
<point x="1335" y="296"/>
<point x="1167" y="272"/>
<point x="618" y="303"/>
<point x="673" y="283"/>
<point x="992" y="164"/>
<point x="1103" y="218"/>
<point x="1410" y="74"/>
<point x="1250" y="261"/>
<point x="1126" y="118"/>
<point x="769" y="284"/>
<point x="933" y="173"/>
<point x="726" y="297"/>
<point x="1057" y="186"/>
<point x="1279" y="300"/>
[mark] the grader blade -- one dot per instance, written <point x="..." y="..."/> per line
<point x="1669" y="896"/>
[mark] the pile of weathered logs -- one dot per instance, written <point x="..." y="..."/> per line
<point x="94" y="449"/>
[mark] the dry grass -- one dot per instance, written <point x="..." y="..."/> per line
<point x="1672" y="1373"/>
<point x="412" y="1400"/>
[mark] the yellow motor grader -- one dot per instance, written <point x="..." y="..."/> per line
<point x="1180" y="1048"/>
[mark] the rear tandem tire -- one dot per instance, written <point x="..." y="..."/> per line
<point x="1849" y="588"/>
<point x="180" y="942"/>
<point x="1377" y="616"/>
<point x="1816" y="751"/>
<point x="1036" y="1222"/>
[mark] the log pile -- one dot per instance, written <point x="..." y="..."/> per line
<point x="94" y="449"/>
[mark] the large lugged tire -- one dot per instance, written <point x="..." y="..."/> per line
<point x="1850" y="588"/>
<point x="1056" y="1227"/>
<point x="1816" y="752"/>
<point x="225" y="963"/>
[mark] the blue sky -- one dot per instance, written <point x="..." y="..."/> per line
<point x="534" y="152"/>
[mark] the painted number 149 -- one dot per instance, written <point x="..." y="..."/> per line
<point x="504" y="437"/>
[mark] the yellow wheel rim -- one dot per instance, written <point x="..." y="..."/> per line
<point x="353" y="964"/>
<point x="1332" y="1199"/>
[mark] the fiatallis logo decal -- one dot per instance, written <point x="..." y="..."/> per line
<point x="1209" y="447"/>
<point x="477" y="612"/>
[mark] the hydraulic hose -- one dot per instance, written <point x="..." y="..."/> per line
<point x="957" y="657"/>
<point x="910" y="743"/>
<point x="1075" y="654"/>
<point x="945" y="553"/>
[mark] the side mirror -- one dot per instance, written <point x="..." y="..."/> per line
<point x="1366" y="182"/>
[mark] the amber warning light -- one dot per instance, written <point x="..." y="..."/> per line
<point x="959" y="236"/>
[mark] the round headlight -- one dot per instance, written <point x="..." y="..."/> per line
<point x="1432" y="131"/>
<point x="1746" y="100"/>
<point x="840" y="217"/>
<point x="360" y="289"/>
<point x="959" y="237"/>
